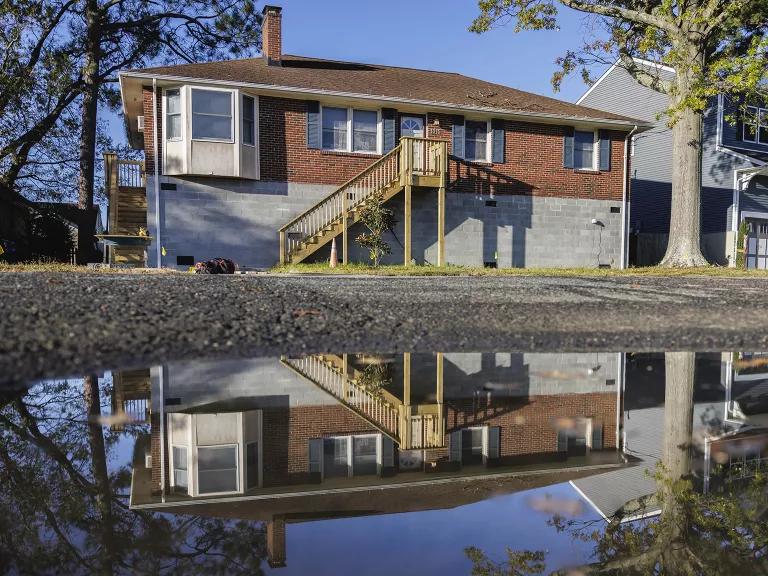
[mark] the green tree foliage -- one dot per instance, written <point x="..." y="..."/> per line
<point x="378" y="219"/>
<point x="715" y="47"/>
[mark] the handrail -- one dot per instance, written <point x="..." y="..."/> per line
<point x="377" y="411"/>
<point x="411" y="157"/>
<point x="349" y="182"/>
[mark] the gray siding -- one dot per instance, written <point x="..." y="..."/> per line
<point x="755" y="197"/>
<point x="651" y="184"/>
<point x="651" y="173"/>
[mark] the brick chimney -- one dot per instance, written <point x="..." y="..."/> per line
<point x="272" y="35"/>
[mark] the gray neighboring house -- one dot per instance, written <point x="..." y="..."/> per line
<point x="734" y="171"/>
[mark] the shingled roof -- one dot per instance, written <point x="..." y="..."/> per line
<point x="389" y="82"/>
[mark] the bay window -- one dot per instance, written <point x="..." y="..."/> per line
<point x="350" y="130"/>
<point x="249" y="120"/>
<point x="173" y="114"/>
<point x="217" y="469"/>
<point x="211" y="114"/>
<point x="476" y="141"/>
<point x="584" y="150"/>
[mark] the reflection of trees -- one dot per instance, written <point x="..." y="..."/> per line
<point x="63" y="511"/>
<point x="695" y="534"/>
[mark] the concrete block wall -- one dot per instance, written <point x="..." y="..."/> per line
<point x="208" y="218"/>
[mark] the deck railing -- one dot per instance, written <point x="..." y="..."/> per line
<point x="426" y="431"/>
<point x="130" y="173"/>
<point x="411" y="157"/>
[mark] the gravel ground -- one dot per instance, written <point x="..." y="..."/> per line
<point x="64" y="324"/>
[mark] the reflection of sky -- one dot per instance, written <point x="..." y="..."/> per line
<point x="433" y="542"/>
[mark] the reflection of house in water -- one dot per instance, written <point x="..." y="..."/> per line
<point x="294" y="439"/>
<point x="721" y="432"/>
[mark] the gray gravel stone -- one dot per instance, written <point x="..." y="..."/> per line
<point x="61" y="324"/>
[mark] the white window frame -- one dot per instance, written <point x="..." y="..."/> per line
<point x="595" y="150"/>
<point x="180" y="113"/>
<point x="232" y="127"/>
<point x="238" y="467"/>
<point x="755" y="124"/>
<point x="173" y="467"/>
<point x="350" y="452"/>
<point x="350" y="133"/>
<point x="243" y="96"/>
<point x="488" y="141"/>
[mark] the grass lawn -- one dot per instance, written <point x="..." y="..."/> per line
<point x="400" y="270"/>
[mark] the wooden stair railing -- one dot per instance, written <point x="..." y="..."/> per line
<point x="411" y="427"/>
<point x="412" y="161"/>
<point x="374" y="410"/>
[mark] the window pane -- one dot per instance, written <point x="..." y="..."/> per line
<point x="173" y="101"/>
<point x="335" y="128"/>
<point x="174" y="126"/>
<point x="476" y="138"/>
<point x="179" y="458"/>
<point x="583" y="150"/>
<point x="211" y="102"/>
<point x="364" y="452"/>
<point x="218" y="457"/>
<point x="335" y="457"/>
<point x="217" y="127"/>
<point x="180" y="479"/>
<point x="252" y="464"/>
<point x="364" y="131"/>
<point x="217" y="481"/>
<point x="248" y="108"/>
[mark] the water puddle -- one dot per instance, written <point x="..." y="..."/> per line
<point x="409" y="463"/>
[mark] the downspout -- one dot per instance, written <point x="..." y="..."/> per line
<point x="158" y="248"/>
<point x="624" y="203"/>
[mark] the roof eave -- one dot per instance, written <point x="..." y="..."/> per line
<point x="523" y="114"/>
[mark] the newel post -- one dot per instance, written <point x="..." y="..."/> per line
<point x="282" y="247"/>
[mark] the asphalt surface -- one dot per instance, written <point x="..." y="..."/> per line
<point x="55" y="324"/>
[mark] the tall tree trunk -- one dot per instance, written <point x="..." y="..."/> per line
<point x="684" y="246"/>
<point x="88" y="125"/>
<point x="676" y="457"/>
<point x="99" y="471"/>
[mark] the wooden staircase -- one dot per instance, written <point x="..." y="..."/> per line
<point x="125" y="182"/>
<point x="413" y="162"/>
<point x="411" y="427"/>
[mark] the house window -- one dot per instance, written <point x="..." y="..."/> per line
<point x="252" y="464"/>
<point x="249" y="120"/>
<point x="476" y="141"/>
<point x="180" y="479"/>
<point x="472" y="445"/>
<point x="173" y="114"/>
<point x="349" y="130"/>
<point x="584" y="150"/>
<point x="364" y="455"/>
<point x="211" y="114"/>
<point x="756" y="125"/>
<point x="364" y="130"/>
<point x="335" y="128"/>
<point x="217" y="469"/>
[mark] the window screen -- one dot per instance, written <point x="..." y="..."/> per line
<point x="476" y="140"/>
<point x="335" y="128"/>
<point x="584" y="150"/>
<point x="217" y="469"/>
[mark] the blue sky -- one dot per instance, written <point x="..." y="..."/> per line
<point x="429" y="34"/>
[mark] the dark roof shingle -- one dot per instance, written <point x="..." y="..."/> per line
<point x="383" y="81"/>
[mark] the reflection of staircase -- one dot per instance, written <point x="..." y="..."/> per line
<point x="412" y="427"/>
<point x="131" y="391"/>
<point x="413" y="162"/>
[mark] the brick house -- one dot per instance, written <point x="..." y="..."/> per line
<point x="269" y="159"/>
<point x="289" y="439"/>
